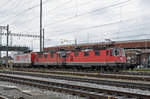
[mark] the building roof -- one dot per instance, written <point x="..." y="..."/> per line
<point x="130" y="44"/>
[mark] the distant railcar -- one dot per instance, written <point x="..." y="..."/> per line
<point x="145" y="59"/>
<point x="25" y="59"/>
<point x="133" y="57"/>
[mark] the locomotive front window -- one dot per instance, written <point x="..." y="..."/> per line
<point x="86" y="53"/>
<point x="97" y="53"/>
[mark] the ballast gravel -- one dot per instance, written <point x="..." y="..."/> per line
<point x="130" y="90"/>
<point x="17" y="89"/>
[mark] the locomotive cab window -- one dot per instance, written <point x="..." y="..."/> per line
<point x="86" y="53"/>
<point x="123" y="52"/>
<point x="76" y="54"/>
<point x="117" y="52"/>
<point x="97" y="53"/>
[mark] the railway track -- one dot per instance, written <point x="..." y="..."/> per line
<point x="43" y="70"/>
<point x="111" y="82"/>
<point x="96" y="75"/>
<point x="80" y="90"/>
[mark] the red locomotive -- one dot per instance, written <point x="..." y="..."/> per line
<point x="91" y="58"/>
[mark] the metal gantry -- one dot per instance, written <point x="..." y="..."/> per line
<point x="6" y="28"/>
<point x="21" y="35"/>
<point x="13" y="48"/>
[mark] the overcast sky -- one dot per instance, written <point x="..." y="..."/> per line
<point x="87" y="21"/>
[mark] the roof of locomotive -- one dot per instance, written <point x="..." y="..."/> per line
<point x="76" y="50"/>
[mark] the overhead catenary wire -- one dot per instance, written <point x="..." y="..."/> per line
<point x="56" y="7"/>
<point x="24" y="11"/>
<point x="37" y="5"/>
<point x="96" y="26"/>
<point x="92" y="27"/>
<point x="67" y="2"/>
<point x="119" y="32"/>
<point x="60" y="6"/>
<point x="49" y="10"/>
<point x="130" y="36"/>
<point x="6" y="3"/>
<point x="86" y="13"/>
<point x="76" y="6"/>
<point x="81" y="28"/>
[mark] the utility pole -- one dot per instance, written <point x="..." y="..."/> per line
<point x="7" y="39"/>
<point x="7" y="45"/>
<point x="41" y="25"/>
<point x="10" y="38"/>
<point x="0" y="40"/>
<point x="32" y="44"/>
<point x="43" y="38"/>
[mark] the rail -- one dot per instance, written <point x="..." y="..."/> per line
<point x="84" y="91"/>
